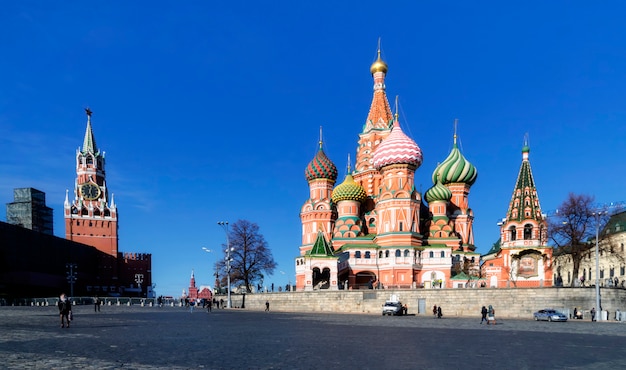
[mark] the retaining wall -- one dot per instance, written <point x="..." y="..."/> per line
<point x="511" y="303"/>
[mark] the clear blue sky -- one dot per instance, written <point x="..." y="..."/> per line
<point x="210" y="111"/>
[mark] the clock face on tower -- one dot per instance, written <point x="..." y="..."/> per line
<point x="90" y="191"/>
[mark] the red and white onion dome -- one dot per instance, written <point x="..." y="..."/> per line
<point x="321" y="167"/>
<point x="397" y="148"/>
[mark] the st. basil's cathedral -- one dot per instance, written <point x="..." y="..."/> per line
<point x="374" y="229"/>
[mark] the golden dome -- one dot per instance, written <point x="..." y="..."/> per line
<point x="379" y="65"/>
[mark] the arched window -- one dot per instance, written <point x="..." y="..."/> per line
<point x="443" y="254"/>
<point x="406" y="253"/>
<point x="512" y="233"/>
<point x="398" y="253"/>
<point x="528" y="231"/>
<point x="367" y="254"/>
<point x="380" y="254"/>
<point x="431" y="254"/>
<point x="357" y="254"/>
<point x="386" y="254"/>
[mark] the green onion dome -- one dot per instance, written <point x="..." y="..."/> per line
<point x="348" y="190"/>
<point x="438" y="193"/>
<point x="455" y="169"/>
<point x="321" y="167"/>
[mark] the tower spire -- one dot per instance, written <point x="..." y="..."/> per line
<point x="320" y="142"/>
<point x="456" y="123"/>
<point x="89" y="143"/>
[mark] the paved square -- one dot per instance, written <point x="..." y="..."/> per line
<point x="174" y="338"/>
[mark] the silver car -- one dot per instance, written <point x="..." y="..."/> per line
<point x="393" y="308"/>
<point x="549" y="314"/>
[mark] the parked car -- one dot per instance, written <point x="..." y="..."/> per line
<point x="549" y="314"/>
<point x="393" y="308"/>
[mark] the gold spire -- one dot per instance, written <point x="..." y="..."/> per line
<point x="396" y="115"/>
<point x="379" y="65"/>
<point x="320" y="142"/>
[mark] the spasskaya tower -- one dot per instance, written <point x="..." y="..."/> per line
<point x="91" y="216"/>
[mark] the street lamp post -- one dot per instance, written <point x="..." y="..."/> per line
<point x="598" y="309"/>
<point x="71" y="276"/>
<point x="224" y="225"/>
<point x="212" y="274"/>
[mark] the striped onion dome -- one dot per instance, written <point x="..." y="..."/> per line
<point x="321" y="167"/>
<point x="455" y="169"/>
<point x="397" y="148"/>
<point x="438" y="193"/>
<point x="348" y="190"/>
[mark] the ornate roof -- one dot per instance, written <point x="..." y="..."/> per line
<point x="438" y="193"/>
<point x="321" y="167"/>
<point x="348" y="190"/>
<point x="379" y="116"/>
<point x="455" y="169"/>
<point x="397" y="148"/>
<point x="321" y="246"/>
<point x="525" y="201"/>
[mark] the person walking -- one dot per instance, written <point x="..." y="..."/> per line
<point x="65" y="310"/>
<point x="267" y="306"/>
<point x="210" y="305"/>
<point x="593" y="314"/>
<point x="96" y="304"/>
<point x="439" y="314"/>
<point x="491" y="315"/>
<point x="434" y="311"/>
<point x="483" y="312"/>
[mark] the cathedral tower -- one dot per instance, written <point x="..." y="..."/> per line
<point x="522" y="258"/>
<point x="90" y="217"/>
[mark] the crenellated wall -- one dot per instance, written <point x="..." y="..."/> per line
<point x="508" y="303"/>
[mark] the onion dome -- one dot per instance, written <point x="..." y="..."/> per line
<point x="397" y="148"/>
<point x="348" y="190"/>
<point x="455" y="169"/>
<point x="438" y="193"/>
<point x="321" y="167"/>
<point x="379" y="65"/>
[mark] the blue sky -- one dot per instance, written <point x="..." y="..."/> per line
<point x="211" y="111"/>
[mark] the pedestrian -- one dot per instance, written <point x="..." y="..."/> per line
<point x="65" y="310"/>
<point x="593" y="314"/>
<point x="210" y="305"/>
<point x="434" y="311"/>
<point x="483" y="312"/>
<point x="491" y="315"/>
<point x="96" y="304"/>
<point x="191" y="304"/>
<point x="439" y="314"/>
<point x="221" y="302"/>
<point x="267" y="306"/>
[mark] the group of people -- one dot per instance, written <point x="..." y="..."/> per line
<point x="437" y="312"/>
<point x="488" y="315"/>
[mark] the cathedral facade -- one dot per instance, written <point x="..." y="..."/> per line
<point x="375" y="229"/>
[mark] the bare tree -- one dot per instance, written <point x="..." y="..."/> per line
<point x="250" y="254"/>
<point x="573" y="228"/>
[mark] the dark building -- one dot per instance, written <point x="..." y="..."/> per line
<point x="33" y="264"/>
<point x="29" y="210"/>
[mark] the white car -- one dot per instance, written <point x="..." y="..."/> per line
<point x="393" y="308"/>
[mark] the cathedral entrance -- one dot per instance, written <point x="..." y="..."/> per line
<point x="321" y="279"/>
<point x="364" y="280"/>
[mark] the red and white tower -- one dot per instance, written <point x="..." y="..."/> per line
<point x="90" y="218"/>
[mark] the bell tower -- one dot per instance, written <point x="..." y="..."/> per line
<point x="91" y="216"/>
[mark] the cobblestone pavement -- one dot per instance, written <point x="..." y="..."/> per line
<point x="173" y="338"/>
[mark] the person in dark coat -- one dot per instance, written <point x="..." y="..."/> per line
<point x="65" y="310"/>
<point x="439" y="314"/>
<point x="483" y="312"/>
